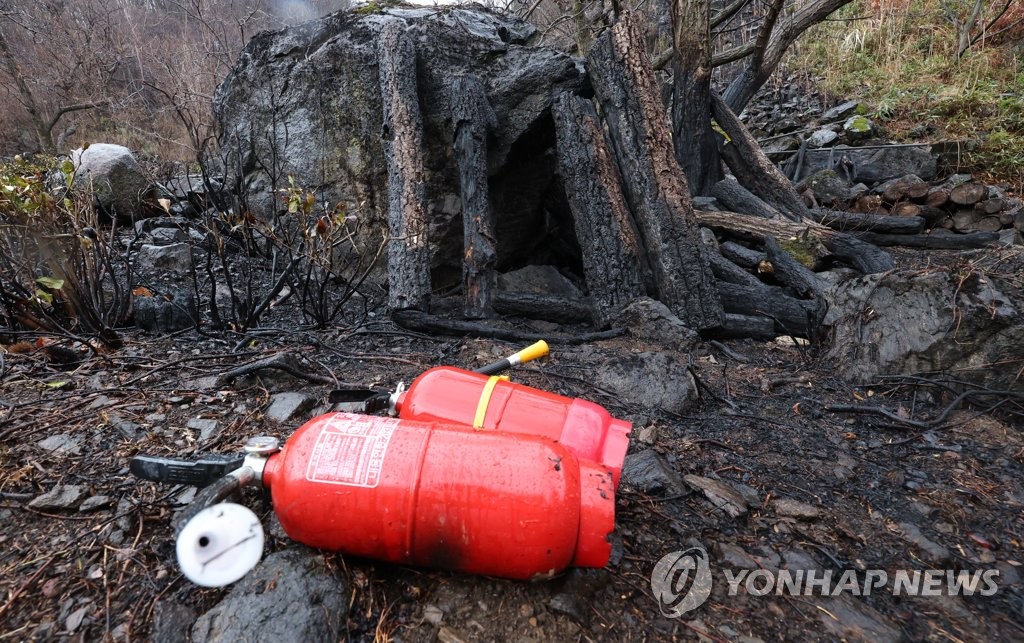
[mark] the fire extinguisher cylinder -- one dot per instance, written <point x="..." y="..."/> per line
<point x="449" y="394"/>
<point x="442" y="496"/>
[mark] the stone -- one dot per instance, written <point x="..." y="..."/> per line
<point x="332" y="139"/>
<point x="791" y="508"/>
<point x="858" y="128"/>
<point x="208" y="428"/>
<point x="114" y="176"/>
<point x="871" y="165"/>
<point x="841" y="110"/>
<point x="287" y="406"/>
<point x="165" y="314"/>
<point x="175" y="259"/>
<point x="651" y="320"/>
<point x="433" y="614"/>
<point x="821" y="138"/>
<point x="648" y="472"/>
<point x="721" y="494"/>
<point x="850" y="619"/>
<point x="828" y="187"/>
<point x="653" y="380"/>
<point x="61" y="444"/>
<point x="925" y="323"/>
<point x="172" y="621"/>
<point x="95" y="503"/>
<point x="127" y="428"/>
<point x="735" y="556"/>
<point x="64" y="497"/>
<point x="539" y="280"/>
<point x="933" y="551"/>
<point x="291" y="596"/>
<point x="167" y="236"/>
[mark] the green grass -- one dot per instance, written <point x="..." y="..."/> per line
<point x="901" y="60"/>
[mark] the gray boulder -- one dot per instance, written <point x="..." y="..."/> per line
<point x="868" y="165"/>
<point x="114" y="176"/>
<point x="651" y="380"/>
<point x="305" y="102"/>
<point x="905" y="323"/>
<point x="828" y="188"/>
<point x="290" y="596"/>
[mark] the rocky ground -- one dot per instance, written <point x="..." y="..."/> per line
<point x="738" y="450"/>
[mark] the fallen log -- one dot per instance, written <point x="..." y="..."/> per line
<point x="791" y="316"/>
<point x="473" y="117"/>
<point x="546" y="307"/>
<point x="726" y="270"/>
<point x="968" y="193"/>
<point x="421" y="322"/>
<point x="655" y="187"/>
<point x="744" y="326"/>
<point x="611" y="260"/>
<point x="970" y="241"/>
<point x="851" y="221"/>
<point x="741" y="255"/>
<point x="790" y="272"/>
<point x="739" y="199"/>
<point x="861" y="254"/>
<point x="905" y="209"/>
<point x="402" y="134"/>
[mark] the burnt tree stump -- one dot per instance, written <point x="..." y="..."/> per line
<point x="402" y="134"/>
<point x="611" y="256"/>
<point x="655" y="187"/>
<point x="473" y="118"/>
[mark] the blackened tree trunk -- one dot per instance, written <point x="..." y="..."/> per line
<point x="695" y="144"/>
<point x="611" y="253"/>
<point x="408" y="251"/>
<point x="473" y="117"/>
<point x="654" y="184"/>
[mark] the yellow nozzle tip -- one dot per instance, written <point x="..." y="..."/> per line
<point x="534" y="351"/>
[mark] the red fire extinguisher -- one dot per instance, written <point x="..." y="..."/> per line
<point x="443" y="496"/>
<point x="485" y="401"/>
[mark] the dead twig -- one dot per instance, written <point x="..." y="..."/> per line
<point x="922" y="424"/>
<point x="282" y="362"/>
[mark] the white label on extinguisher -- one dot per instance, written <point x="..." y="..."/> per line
<point x="350" y="450"/>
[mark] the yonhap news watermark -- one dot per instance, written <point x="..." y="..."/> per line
<point x="682" y="581"/>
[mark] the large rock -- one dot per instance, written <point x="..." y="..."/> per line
<point x="312" y="92"/>
<point x="115" y="177"/>
<point x="935" y="322"/>
<point x="290" y="596"/>
<point x="868" y="165"/>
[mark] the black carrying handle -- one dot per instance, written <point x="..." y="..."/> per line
<point x="199" y="473"/>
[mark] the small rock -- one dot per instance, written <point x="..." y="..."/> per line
<point x="540" y="280"/>
<point x="61" y="444"/>
<point x="433" y="614"/>
<point x="821" y="138"/>
<point x="853" y="620"/>
<point x="795" y="509"/>
<point x="567" y="604"/>
<point x="172" y="621"/>
<point x="799" y="559"/>
<point x="448" y="635"/>
<point x="648" y="472"/>
<point x="158" y="260"/>
<point x="95" y="503"/>
<point x="933" y="551"/>
<point x="1008" y="574"/>
<point x="720" y="494"/>
<point x="650" y="379"/>
<point x="167" y="236"/>
<point x="286" y="406"/>
<point x="75" y="619"/>
<point x="841" y="110"/>
<point x="736" y="557"/>
<point x="651" y="320"/>
<point x="207" y="428"/>
<point x="291" y="596"/>
<point x="858" y="128"/>
<point x="127" y="428"/>
<point x="155" y="418"/>
<point x="60" y="498"/>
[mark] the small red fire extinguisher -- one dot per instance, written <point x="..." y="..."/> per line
<point x="486" y="401"/>
<point x="443" y="496"/>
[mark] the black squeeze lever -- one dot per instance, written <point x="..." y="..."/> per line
<point x="199" y="473"/>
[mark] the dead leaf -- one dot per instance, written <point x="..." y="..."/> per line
<point x="51" y="587"/>
<point x="75" y="618"/>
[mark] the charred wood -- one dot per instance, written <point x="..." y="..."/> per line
<point x="611" y="251"/>
<point x="653" y="182"/>
<point x="473" y="117"/>
<point x="857" y="221"/>
<point x="787" y="270"/>
<point x="969" y="241"/>
<point x="726" y="270"/>
<point x="419" y="321"/>
<point x="402" y="134"/>
<point x="752" y="168"/>
<point x="791" y="316"/>
<point x="745" y="326"/>
<point x="546" y="307"/>
<point x="741" y="255"/>
<point x="739" y="199"/>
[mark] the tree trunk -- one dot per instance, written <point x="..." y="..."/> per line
<point x="408" y="250"/>
<point x="695" y="145"/>
<point x="611" y="256"/>
<point x="43" y="130"/>
<point x="655" y="187"/>
<point x="473" y="117"/>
